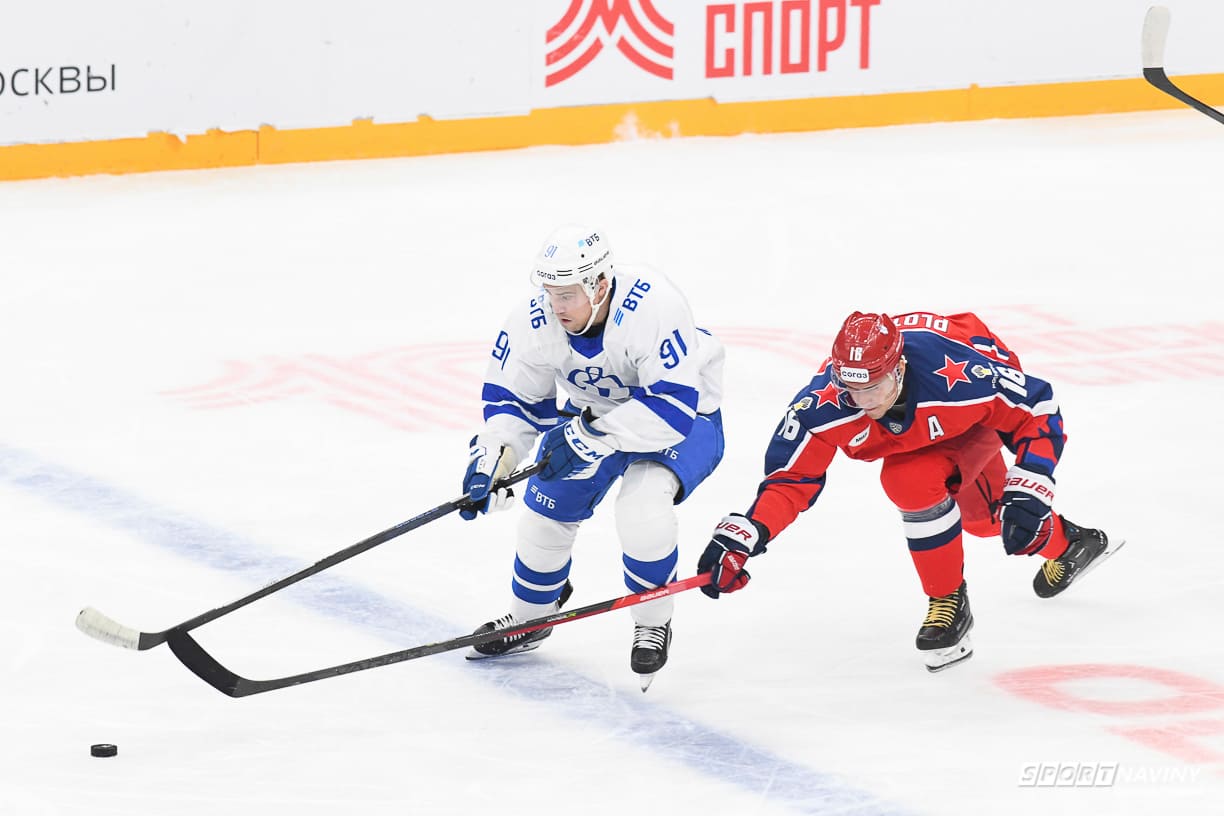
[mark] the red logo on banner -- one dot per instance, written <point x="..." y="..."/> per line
<point x="573" y="44"/>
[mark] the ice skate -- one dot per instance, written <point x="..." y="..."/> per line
<point x="515" y="644"/>
<point x="944" y="636"/>
<point x="650" y="645"/>
<point x="1086" y="548"/>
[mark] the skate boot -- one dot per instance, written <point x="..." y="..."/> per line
<point x="1086" y="548"/>
<point x="650" y="644"/>
<point x="944" y="636"/>
<point x="514" y="644"/>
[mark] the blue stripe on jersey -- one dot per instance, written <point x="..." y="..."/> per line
<point x="1054" y="439"/>
<point x="653" y="398"/>
<point x="683" y="393"/>
<point x="643" y="575"/>
<point x="498" y="400"/>
<point x="1040" y="464"/>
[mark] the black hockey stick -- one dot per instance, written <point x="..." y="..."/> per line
<point x="101" y="627"/>
<point x="1155" y="32"/>
<point x="193" y="656"/>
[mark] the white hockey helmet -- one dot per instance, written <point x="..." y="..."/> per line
<point x="571" y="254"/>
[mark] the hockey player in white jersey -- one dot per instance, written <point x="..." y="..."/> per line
<point x="641" y="386"/>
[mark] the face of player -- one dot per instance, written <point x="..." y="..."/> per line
<point x="572" y="306"/>
<point x="876" y="398"/>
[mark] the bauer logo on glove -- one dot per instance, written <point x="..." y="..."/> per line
<point x="735" y="539"/>
<point x="731" y="527"/>
<point x="1025" y="511"/>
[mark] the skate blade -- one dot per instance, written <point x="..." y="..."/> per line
<point x="939" y="659"/>
<point x="1110" y="549"/>
<point x="645" y="680"/>
<point x="530" y="647"/>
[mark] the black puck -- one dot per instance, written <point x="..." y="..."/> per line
<point x="104" y="749"/>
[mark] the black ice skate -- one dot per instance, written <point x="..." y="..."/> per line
<point x="515" y="644"/>
<point x="1086" y="548"/>
<point x="944" y="636"/>
<point x="650" y="644"/>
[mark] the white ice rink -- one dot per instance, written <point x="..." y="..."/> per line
<point x="213" y="379"/>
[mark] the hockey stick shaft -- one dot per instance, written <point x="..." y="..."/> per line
<point x="1155" y="33"/>
<point x="204" y="665"/>
<point x="101" y="627"/>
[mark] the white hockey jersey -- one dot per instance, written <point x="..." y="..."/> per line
<point x="645" y="377"/>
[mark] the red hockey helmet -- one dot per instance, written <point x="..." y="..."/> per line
<point x="867" y="348"/>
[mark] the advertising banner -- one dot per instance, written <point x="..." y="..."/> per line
<point x="78" y="71"/>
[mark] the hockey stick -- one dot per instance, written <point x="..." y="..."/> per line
<point x="1155" y="32"/>
<point x="205" y="666"/>
<point x="103" y="628"/>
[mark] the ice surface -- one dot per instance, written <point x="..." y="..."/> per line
<point x="213" y="379"/>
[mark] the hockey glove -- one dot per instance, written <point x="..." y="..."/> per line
<point x="486" y="465"/>
<point x="573" y="450"/>
<point x="1025" y="511"/>
<point x="735" y="539"/>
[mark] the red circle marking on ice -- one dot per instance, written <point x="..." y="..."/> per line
<point x="1043" y="684"/>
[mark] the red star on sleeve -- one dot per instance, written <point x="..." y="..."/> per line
<point x="829" y="394"/>
<point x="953" y="371"/>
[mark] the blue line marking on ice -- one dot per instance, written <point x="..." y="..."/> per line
<point x="775" y="779"/>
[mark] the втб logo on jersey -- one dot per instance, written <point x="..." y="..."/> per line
<point x="635" y="27"/>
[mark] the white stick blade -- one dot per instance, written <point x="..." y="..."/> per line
<point x="100" y="627"/>
<point x="1155" y="32"/>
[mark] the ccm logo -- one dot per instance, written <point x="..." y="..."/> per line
<point x="1029" y="486"/>
<point x="736" y="530"/>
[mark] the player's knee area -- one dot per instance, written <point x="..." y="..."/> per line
<point x="537" y="533"/>
<point x="645" y="510"/>
<point x="912" y="483"/>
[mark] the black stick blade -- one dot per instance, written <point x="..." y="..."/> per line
<point x="192" y="655"/>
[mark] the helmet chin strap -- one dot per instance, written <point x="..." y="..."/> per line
<point x="595" y="307"/>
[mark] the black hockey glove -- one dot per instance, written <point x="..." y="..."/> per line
<point x="1026" y="511"/>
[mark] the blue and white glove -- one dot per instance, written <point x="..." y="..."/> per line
<point x="1025" y="511"/>
<point x="487" y="464"/>
<point x="574" y="450"/>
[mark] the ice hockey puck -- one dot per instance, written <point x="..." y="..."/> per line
<point x="103" y="749"/>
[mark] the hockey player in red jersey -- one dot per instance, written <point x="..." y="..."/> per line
<point x="937" y="398"/>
